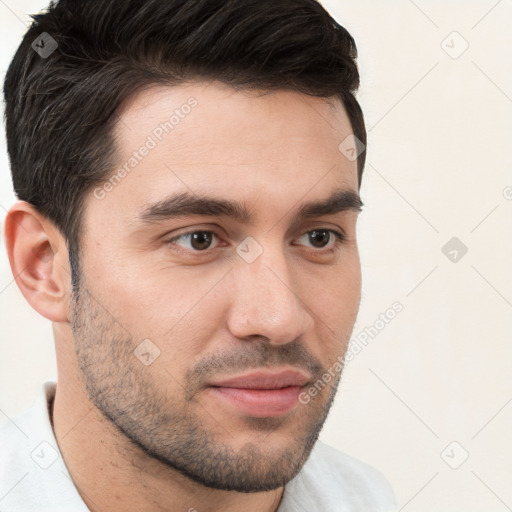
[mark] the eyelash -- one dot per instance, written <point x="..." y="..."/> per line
<point x="339" y="238"/>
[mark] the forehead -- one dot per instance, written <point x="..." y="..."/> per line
<point x="205" y="137"/>
<point x="216" y="98"/>
<point x="209" y="118"/>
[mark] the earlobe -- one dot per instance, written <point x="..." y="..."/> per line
<point x="38" y="258"/>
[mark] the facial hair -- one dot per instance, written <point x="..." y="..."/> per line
<point x="165" y="418"/>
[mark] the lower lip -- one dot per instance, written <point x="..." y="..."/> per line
<point x="260" y="403"/>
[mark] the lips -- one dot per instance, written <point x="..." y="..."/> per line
<point x="261" y="393"/>
<point x="265" y="380"/>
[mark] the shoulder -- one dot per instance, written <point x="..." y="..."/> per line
<point x="331" y="478"/>
<point x="345" y="469"/>
<point x="14" y="441"/>
<point x="33" y="475"/>
<point x="16" y="465"/>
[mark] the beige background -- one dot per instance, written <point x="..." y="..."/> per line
<point x="439" y="166"/>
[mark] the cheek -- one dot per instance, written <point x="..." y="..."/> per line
<point x="336" y="291"/>
<point x="335" y="301"/>
<point x="177" y="309"/>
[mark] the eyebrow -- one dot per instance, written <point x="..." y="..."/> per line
<point x="185" y="204"/>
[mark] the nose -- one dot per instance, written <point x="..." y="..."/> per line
<point x="267" y="301"/>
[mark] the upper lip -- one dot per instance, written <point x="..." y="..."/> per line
<point x="264" y="379"/>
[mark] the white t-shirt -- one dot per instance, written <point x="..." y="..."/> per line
<point x="33" y="476"/>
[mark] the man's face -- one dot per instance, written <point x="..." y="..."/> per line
<point x="196" y="333"/>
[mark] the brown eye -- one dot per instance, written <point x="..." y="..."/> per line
<point x="321" y="238"/>
<point x="197" y="240"/>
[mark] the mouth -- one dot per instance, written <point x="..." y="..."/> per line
<point x="261" y="393"/>
<point x="261" y="379"/>
<point x="260" y="403"/>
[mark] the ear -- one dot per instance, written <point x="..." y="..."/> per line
<point x="39" y="261"/>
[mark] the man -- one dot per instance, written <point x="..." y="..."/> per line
<point x="188" y="175"/>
